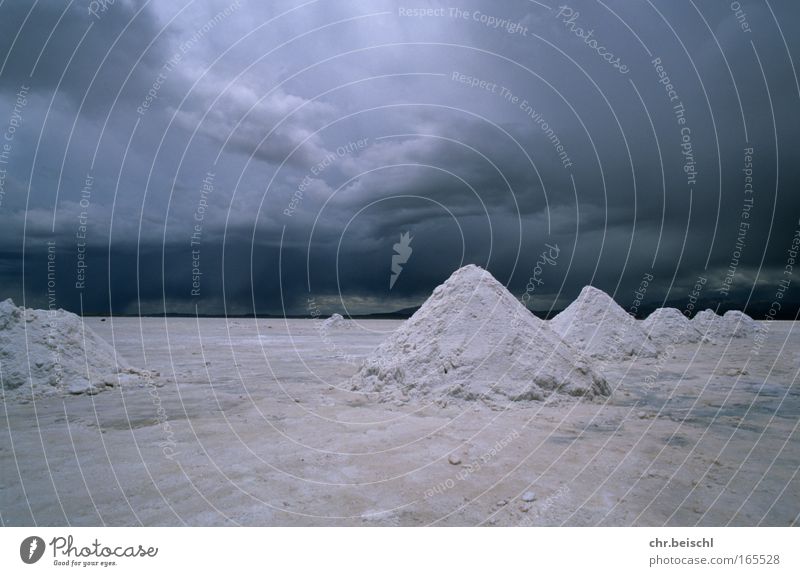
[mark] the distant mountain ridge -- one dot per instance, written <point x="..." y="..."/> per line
<point x="758" y="310"/>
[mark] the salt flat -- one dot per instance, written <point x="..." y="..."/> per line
<point x="253" y="423"/>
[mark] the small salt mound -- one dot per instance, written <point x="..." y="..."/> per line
<point x="45" y="351"/>
<point x="739" y="324"/>
<point x="600" y="328"/>
<point x="335" y="321"/>
<point x="667" y="326"/>
<point x="734" y="324"/>
<point x="706" y="321"/>
<point x="472" y="340"/>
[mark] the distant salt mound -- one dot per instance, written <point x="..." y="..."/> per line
<point x="704" y="321"/>
<point x="46" y="352"/>
<point x="335" y="321"/>
<point x="739" y="324"/>
<point x="734" y="324"/>
<point x="472" y="340"/>
<point x="668" y="326"/>
<point x="597" y="326"/>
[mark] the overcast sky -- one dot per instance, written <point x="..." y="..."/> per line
<point x="250" y="156"/>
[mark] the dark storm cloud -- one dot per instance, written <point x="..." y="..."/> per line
<point x="61" y="45"/>
<point x="272" y="128"/>
<point x="283" y="149"/>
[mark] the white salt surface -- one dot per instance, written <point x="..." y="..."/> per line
<point x="256" y="437"/>
<point x="472" y="340"/>
<point x="600" y="328"/>
<point x="45" y="351"/>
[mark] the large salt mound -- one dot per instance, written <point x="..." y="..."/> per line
<point x="45" y="351"/>
<point x="473" y="340"/>
<point x="667" y="326"/>
<point x="734" y="324"/>
<point x="600" y="328"/>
